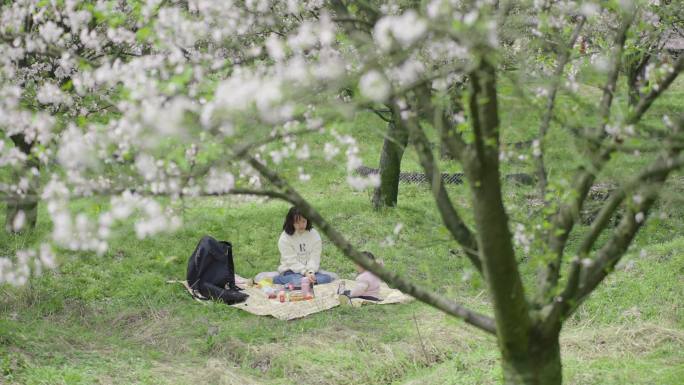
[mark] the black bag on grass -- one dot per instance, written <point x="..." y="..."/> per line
<point x="211" y="271"/>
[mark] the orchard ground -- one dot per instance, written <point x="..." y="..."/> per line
<point x="112" y="319"/>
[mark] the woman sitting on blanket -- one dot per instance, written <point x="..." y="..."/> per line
<point x="367" y="285"/>
<point x="300" y="251"/>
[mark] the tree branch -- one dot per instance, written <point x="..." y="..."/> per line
<point x="645" y="102"/>
<point x="453" y="222"/>
<point x="551" y="102"/>
<point x="564" y="220"/>
<point x="379" y="113"/>
<point x="441" y="118"/>
<point x="599" y="224"/>
<point x="586" y="274"/>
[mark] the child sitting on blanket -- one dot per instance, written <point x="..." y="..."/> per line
<point x="367" y="285"/>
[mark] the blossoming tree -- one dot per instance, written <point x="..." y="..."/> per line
<point x="224" y="93"/>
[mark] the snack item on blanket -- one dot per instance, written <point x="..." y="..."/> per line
<point x="266" y="282"/>
<point x="296" y="295"/>
<point x="306" y="286"/>
<point x="281" y="295"/>
<point x="269" y="291"/>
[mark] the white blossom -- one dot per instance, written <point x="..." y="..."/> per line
<point x="19" y="221"/>
<point x="302" y="176"/>
<point x="275" y="47"/>
<point x="51" y="94"/>
<point x="589" y="9"/>
<point x="50" y="32"/>
<point x="361" y="183"/>
<point x="303" y="153"/>
<point x="536" y="148"/>
<point x="374" y="86"/>
<point x="219" y="182"/>
<point x="405" y="29"/>
<point x="330" y="151"/>
<point x="521" y="238"/>
<point x="639" y="217"/>
<point x="398" y="228"/>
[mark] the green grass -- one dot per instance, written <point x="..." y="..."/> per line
<point x="113" y="319"/>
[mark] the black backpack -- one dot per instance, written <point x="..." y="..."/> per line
<point x="211" y="272"/>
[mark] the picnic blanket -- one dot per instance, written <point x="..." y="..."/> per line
<point x="326" y="298"/>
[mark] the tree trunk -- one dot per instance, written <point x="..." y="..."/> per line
<point x="524" y="354"/>
<point x="635" y="68"/>
<point x="385" y="195"/>
<point x="444" y="150"/>
<point x="29" y="207"/>
<point x="28" y="204"/>
<point x="541" y="366"/>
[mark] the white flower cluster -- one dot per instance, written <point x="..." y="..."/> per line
<point x="618" y="130"/>
<point x="162" y="177"/>
<point x="77" y="148"/>
<point x="391" y="239"/>
<point x="245" y="89"/>
<point x="330" y="151"/>
<point x="521" y="238"/>
<point x="589" y="9"/>
<point x="374" y="86"/>
<point x="16" y="271"/>
<point x="155" y="220"/>
<point x="357" y="182"/>
<point x="51" y="94"/>
<point x="445" y="50"/>
<point x="404" y="29"/>
<point x="571" y="78"/>
<point x="654" y="74"/>
<point x="408" y="72"/>
<point x="219" y="182"/>
<point x="11" y="156"/>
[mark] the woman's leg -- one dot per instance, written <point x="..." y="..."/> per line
<point x="332" y="275"/>
<point x="288" y="277"/>
<point x="323" y="278"/>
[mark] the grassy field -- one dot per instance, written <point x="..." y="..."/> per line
<point x="114" y="320"/>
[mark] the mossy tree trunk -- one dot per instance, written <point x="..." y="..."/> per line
<point x="540" y="365"/>
<point x="521" y="347"/>
<point x="386" y="194"/>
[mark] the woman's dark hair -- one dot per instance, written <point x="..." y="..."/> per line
<point x="294" y="212"/>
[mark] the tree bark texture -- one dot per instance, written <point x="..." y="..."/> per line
<point x="526" y="358"/>
<point x="541" y="366"/>
<point x="386" y="194"/>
